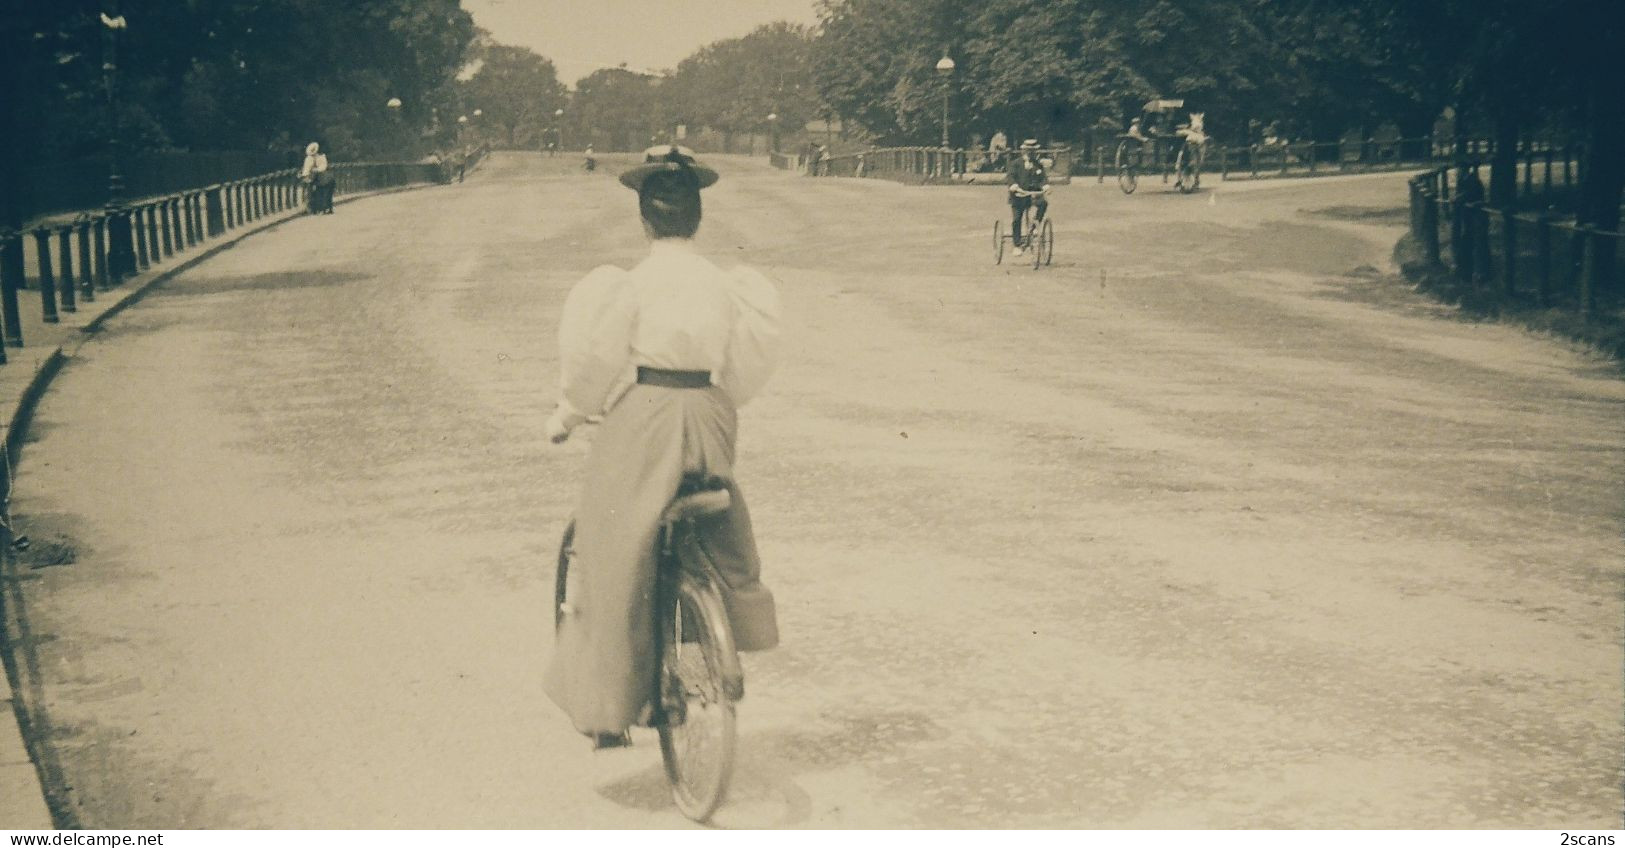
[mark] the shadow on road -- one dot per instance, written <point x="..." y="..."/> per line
<point x="275" y="281"/>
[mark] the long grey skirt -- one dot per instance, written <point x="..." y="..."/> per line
<point x="602" y="669"/>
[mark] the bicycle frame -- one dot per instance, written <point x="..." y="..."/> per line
<point x="681" y="555"/>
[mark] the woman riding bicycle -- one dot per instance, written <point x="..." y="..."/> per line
<point x="666" y="353"/>
<point x="1029" y="182"/>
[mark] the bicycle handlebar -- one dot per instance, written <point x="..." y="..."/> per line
<point x="1025" y="193"/>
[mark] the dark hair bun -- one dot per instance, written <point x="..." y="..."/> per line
<point x="669" y="201"/>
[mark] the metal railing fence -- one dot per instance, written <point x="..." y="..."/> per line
<point x="68" y="259"/>
<point x="1537" y="256"/>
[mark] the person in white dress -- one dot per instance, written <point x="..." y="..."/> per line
<point x="666" y="353"/>
<point x="318" y="182"/>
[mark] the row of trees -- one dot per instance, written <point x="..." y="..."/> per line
<point x="727" y="87"/>
<point x="251" y="74"/>
<point x="1509" y="69"/>
<point x="226" y="74"/>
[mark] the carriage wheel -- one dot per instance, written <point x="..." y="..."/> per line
<point x="1127" y="178"/>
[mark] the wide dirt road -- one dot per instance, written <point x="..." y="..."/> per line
<point x="1208" y="525"/>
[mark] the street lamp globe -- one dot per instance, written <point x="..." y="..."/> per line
<point x="393" y="103"/>
<point x="946" y="63"/>
<point x="478" y="112"/>
<point x="462" y="119"/>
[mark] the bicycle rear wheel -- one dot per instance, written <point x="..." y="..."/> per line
<point x="697" y="737"/>
<point x="998" y="242"/>
<point x="1046" y="242"/>
<point x="1127" y="178"/>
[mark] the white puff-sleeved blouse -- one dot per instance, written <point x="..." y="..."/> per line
<point x="675" y="310"/>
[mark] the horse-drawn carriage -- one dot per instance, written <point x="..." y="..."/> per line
<point x="1156" y="140"/>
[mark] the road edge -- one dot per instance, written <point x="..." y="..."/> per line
<point x="30" y="722"/>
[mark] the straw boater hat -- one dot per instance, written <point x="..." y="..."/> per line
<point x="666" y="157"/>
<point x="1030" y="144"/>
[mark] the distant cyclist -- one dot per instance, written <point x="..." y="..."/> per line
<point x="1029" y="183"/>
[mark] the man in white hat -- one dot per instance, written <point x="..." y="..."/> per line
<point x="1029" y="187"/>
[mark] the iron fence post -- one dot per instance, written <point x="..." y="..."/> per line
<point x="64" y="250"/>
<point x="1430" y="229"/>
<point x="1483" y="249"/>
<point x="1543" y="255"/>
<point x="152" y="233"/>
<point x="179" y="223"/>
<point x="138" y="227"/>
<point x="1509" y="253"/>
<point x="1576" y="267"/>
<point x="99" y="239"/>
<point x="1589" y="268"/>
<point x="166" y="228"/>
<point x="216" y="209"/>
<point x="194" y="233"/>
<point x="47" y="282"/>
<point x="11" y="279"/>
<point x="87" y="280"/>
<point x="1461" y="241"/>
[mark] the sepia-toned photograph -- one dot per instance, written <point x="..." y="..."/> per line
<point x="906" y="415"/>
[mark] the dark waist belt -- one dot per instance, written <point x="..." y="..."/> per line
<point x="673" y="379"/>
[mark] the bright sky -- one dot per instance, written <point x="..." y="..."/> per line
<point x="581" y="36"/>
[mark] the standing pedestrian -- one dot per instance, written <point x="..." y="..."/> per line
<point x="318" y="181"/>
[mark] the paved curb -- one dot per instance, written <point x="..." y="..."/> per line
<point x="33" y="795"/>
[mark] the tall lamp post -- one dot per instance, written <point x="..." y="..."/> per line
<point x="773" y="130"/>
<point x="945" y="67"/>
<point x="558" y="129"/>
<point x="120" y="243"/>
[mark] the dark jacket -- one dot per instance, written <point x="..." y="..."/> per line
<point x="1029" y="177"/>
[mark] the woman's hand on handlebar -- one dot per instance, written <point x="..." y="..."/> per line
<point x="557" y="430"/>
<point x="559" y="424"/>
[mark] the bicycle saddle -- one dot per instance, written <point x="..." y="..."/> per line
<point x="697" y="497"/>
<point x="697" y="505"/>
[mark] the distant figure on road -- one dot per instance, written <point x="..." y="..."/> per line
<point x="666" y="353"/>
<point x="1029" y="185"/>
<point x="319" y="183"/>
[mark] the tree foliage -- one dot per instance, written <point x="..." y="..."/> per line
<point x="615" y="109"/>
<point x="735" y="84"/>
<point x="517" y="92"/>
<point x="233" y="74"/>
